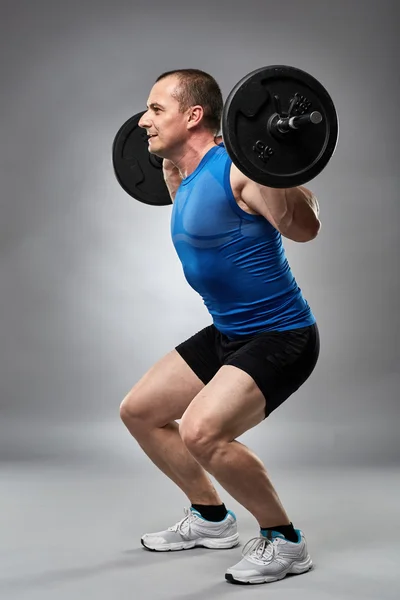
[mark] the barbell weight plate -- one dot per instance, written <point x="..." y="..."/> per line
<point x="271" y="158"/>
<point x="137" y="170"/>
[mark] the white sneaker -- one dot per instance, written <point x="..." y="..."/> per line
<point x="193" y="530"/>
<point x="270" y="559"/>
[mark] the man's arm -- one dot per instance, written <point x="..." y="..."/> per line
<point x="294" y="212"/>
<point x="172" y="177"/>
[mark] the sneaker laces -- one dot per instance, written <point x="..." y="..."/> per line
<point x="259" y="548"/>
<point x="183" y="526"/>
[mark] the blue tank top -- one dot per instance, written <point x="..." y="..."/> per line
<point x="234" y="260"/>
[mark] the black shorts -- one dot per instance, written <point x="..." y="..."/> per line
<point x="278" y="361"/>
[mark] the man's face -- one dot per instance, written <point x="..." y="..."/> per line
<point x="163" y="121"/>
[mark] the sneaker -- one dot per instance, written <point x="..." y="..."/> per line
<point x="270" y="559"/>
<point x="193" y="530"/>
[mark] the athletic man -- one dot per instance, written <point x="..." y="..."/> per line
<point x="261" y="346"/>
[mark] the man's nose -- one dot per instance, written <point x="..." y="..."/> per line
<point x="144" y="121"/>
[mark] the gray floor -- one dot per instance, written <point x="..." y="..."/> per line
<point x="74" y="532"/>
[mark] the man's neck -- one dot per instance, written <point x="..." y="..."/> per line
<point x="191" y="156"/>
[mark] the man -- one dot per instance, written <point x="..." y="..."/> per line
<point x="261" y="347"/>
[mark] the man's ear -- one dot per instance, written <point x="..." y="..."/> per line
<point x="195" y="116"/>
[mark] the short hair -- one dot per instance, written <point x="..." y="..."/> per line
<point x="198" y="88"/>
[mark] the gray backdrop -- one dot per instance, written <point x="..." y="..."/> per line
<point x="92" y="292"/>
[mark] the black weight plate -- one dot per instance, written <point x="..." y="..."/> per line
<point x="265" y="156"/>
<point x="137" y="170"/>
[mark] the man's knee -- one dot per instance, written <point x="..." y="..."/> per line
<point x="127" y="410"/>
<point x="134" y="412"/>
<point x="143" y="410"/>
<point x="200" y="438"/>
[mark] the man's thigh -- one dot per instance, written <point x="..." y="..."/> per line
<point x="257" y="377"/>
<point x="279" y="362"/>
<point x="230" y="404"/>
<point x="162" y="394"/>
<point x="200" y="352"/>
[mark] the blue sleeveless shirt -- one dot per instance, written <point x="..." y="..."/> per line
<point x="234" y="260"/>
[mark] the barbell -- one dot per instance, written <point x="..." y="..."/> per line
<point x="279" y="127"/>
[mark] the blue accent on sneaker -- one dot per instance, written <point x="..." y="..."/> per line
<point x="196" y="512"/>
<point x="275" y="534"/>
